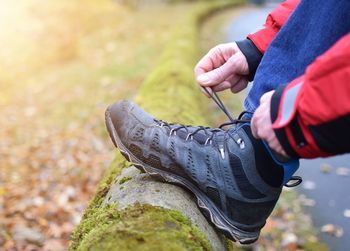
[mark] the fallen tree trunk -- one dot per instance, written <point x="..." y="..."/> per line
<point x="131" y="211"/>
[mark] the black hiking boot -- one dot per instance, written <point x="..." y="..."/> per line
<point x="224" y="169"/>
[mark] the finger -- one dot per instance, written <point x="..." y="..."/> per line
<point x="206" y="93"/>
<point x="274" y="144"/>
<point x="209" y="62"/>
<point x="227" y="84"/>
<point x="240" y="85"/>
<point x="222" y="86"/>
<point x="235" y="81"/>
<point x="254" y="127"/>
<point x="278" y="149"/>
<point x="219" y="74"/>
<point x="203" y="67"/>
<point x="266" y="96"/>
<point x="284" y="153"/>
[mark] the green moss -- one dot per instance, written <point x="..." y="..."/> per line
<point x="91" y="214"/>
<point x="142" y="227"/>
<point x="315" y="246"/>
<point x="124" y="179"/>
<point x="232" y="246"/>
<point x="94" y="217"/>
<point x="157" y="95"/>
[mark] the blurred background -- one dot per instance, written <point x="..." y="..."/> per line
<point x="61" y="63"/>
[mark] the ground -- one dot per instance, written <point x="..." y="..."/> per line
<point x="62" y="63"/>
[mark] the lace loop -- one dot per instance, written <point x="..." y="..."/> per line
<point x="208" y="140"/>
<point x="297" y="181"/>
<point x="172" y="131"/>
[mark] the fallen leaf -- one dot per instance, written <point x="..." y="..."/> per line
<point x="326" y="168"/>
<point x="342" y="171"/>
<point x="2" y="191"/>
<point x="347" y="213"/>
<point x="333" y="230"/>
<point x="289" y="240"/>
<point x="306" y="201"/>
<point x="27" y="234"/>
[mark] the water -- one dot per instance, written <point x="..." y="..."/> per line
<point x="250" y="20"/>
<point x="332" y="196"/>
<point x="331" y="192"/>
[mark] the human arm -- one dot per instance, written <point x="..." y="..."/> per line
<point x="255" y="45"/>
<point x="310" y="117"/>
<point x="232" y="65"/>
<point x="274" y="22"/>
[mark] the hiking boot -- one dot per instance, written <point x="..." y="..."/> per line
<point x="224" y="168"/>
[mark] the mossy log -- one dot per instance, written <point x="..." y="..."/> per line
<point x="130" y="210"/>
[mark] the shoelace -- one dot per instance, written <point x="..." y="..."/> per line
<point x="210" y="132"/>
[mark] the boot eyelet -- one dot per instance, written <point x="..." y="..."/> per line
<point x="189" y="136"/>
<point x="241" y="143"/>
<point x="208" y="141"/>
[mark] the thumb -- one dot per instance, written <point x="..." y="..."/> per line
<point x="218" y="75"/>
<point x="267" y="96"/>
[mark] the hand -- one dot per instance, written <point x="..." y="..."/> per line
<point x="224" y="67"/>
<point x="262" y="127"/>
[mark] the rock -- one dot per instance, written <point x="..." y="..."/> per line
<point x="342" y="171"/>
<point x="326" y="168"/>
<point x="30" y="235"/>
<point x="140" y="188"/>
<point x="333" y="230"/>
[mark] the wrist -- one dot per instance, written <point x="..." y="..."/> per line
<point x="252" y="54"/>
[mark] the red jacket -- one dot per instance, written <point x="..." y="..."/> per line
<point x="313" y="111"/>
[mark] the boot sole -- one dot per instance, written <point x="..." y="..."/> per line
<point x="209" y="210"/>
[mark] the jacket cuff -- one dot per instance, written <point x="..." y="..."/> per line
<point x="252" y="54"/>
<point x="281" y="133"/>
<point x="294" y="135"/>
